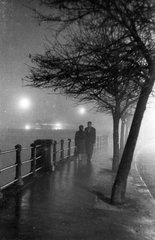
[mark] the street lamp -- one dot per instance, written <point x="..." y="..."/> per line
<point x="82" y="110"/>
<point x="24" y="103"/>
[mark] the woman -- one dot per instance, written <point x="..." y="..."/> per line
<point x="80" y="142"/>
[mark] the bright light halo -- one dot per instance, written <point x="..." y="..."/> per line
<point x="82" y="110"/>
<point x="24" y="103"/>
<point x="27" y="127"/>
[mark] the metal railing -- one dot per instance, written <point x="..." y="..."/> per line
<point x="62" y="150"/>
<point x="17" y="166"/>
<point x="58" y="152"/>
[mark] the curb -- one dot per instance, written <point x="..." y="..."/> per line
<point x="138" y="181"/>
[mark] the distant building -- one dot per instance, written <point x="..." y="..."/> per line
<point x="53" y="126"/>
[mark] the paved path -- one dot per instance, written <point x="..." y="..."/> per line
<point x="146" y="166"/>
<point x="72" y="204"/>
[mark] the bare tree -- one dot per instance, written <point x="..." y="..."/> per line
<point x="81" y="68"/>
<point x="127" y="52"/>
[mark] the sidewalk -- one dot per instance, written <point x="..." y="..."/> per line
<point x="72" y="204"/>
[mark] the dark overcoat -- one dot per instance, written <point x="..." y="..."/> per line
<point x="80" y="137"/>
<point x="90" y="139"/>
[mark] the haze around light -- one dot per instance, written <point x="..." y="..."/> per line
<point x="20" y="36"/>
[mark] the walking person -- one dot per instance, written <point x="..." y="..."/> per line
<point x="90" y="140"/>
<point x="80" y="142"/>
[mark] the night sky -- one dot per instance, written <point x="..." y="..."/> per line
<point x="21" y="35"/>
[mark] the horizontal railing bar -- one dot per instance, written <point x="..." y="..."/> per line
<point x="27" y="148"/>
<point x="30" y="160"/>
<point x="36" y="158"/>
<point x="30" y="173"/>
<point x="62" y="152"/>
<point x="27" y="161"/>
<point x="65" y="149"/>
<point x="38" y="169"/>
<point x="6" y="168"/>
<point x="7" y="151"/>
<point x="37" y="146"/>
<point x="8" y="184"/>
<point x="56" y="151"/>
<point x="27" y="174"/>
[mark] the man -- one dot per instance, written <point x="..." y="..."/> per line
<point x="90" y="140"/>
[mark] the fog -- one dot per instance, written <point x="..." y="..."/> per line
<point x="21" y="36"/>
<point x="147" y="131"/>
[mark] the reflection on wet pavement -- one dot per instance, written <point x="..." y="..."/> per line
<point x="55" y="200"/>
<point x="146" y="167"/>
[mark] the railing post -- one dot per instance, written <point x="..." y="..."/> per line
<point x="45" y="162"/>
<point x="1" y="194"/>
<point x="33" y="157"/>
<point x="100" y="141"/>
<point x="54" y="152"/>
<point x="97" y="142"/>
<point x="62" y="149"/>
<point x="105" y="141"/>
<point x="69" y="147"/>
<point x="18" y="148"/>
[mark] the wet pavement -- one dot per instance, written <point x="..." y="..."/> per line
<point x="146" y="166"/>
<point x="72" y="204"/>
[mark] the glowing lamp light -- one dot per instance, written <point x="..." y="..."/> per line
<point x="57" y="126"/>
<point x="24" y="103"/>
<point x="27" y="127"/>
<point x="82" y="110"/>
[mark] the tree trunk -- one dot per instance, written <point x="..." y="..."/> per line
<point x="122" y="137"/>
<point x="115" y="162"/>
<point x="128" y="126"/>
<point x="119" y="186"/>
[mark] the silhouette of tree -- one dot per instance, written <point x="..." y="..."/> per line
<point x="89" y="71"/>
<point x="84" y="62"/>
